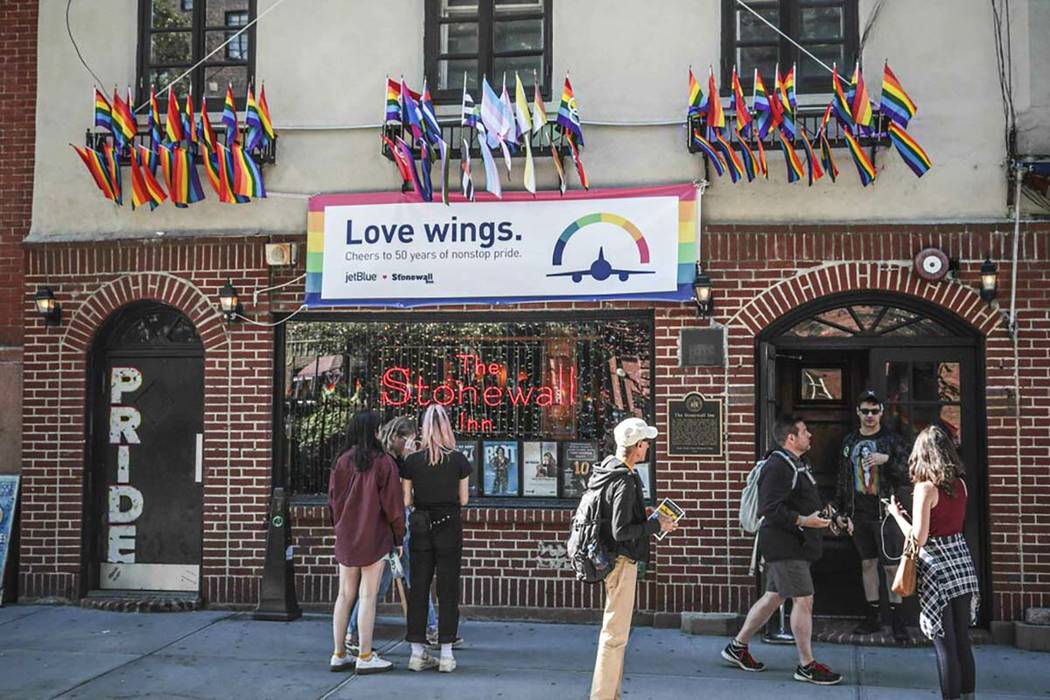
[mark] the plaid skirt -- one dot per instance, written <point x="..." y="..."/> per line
<point x="944" y="570"/>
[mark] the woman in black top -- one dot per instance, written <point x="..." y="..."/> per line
<point x="437" y="484"/>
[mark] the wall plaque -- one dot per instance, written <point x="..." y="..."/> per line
<point x="698" y="347"/>
<point x="695" y="425"/>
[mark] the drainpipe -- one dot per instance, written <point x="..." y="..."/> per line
<point x="1018" y="174"/>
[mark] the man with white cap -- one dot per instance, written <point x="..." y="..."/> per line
<point x="625" y="531"/>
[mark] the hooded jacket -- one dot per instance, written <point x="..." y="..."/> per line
<point x="780" y="504"/>
<point x="625" y="528"/>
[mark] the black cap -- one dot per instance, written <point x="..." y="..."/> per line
<point x="868" y="396"/>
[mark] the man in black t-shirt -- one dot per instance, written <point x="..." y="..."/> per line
<point x="873" y="465"/>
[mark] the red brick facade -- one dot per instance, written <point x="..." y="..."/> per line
<point x="759" y="274"/>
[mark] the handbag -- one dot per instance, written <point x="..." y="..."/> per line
<point x="904" y="581"/>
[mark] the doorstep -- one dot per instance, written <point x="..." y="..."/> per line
<point x="142" y="601"/>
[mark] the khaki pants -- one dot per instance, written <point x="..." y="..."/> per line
<point x="620" y="587"/>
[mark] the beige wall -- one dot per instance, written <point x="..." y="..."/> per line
<point x="324" y="61"/>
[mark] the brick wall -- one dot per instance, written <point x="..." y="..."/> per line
<point x="759" y="275"/>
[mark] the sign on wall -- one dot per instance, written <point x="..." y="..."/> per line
<point x="695" y="425"/>
<point x="391" y="249"/>
<point x="8" y="500"/>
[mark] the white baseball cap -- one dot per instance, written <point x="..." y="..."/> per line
<point x="633" y="430"/>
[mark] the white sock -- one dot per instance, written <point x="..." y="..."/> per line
<point x="446" y="650"/>
<point x="417" y="649"/>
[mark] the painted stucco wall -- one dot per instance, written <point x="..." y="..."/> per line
<point x="324" y="63"/>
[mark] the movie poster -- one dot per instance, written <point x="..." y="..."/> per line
<point x="540" y="468"/>
<point x="469" y="448"/>
<point x="576" y="461"/>
<point x="500" y="468"/>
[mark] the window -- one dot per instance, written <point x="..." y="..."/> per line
<point x="827" y="28"/>
<point x="531" y="397"/>
<point x="176" y="34"/>
<point x="493" y="38"/>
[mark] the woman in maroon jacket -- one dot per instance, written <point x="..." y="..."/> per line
<point x="366" y="501"/>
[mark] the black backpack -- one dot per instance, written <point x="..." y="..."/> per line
<point x="589" y="556"/>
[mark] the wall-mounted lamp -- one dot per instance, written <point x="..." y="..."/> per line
<point x="989" y="280"/>
<point x="229" y="301"/>
<point x="702" y="292"/>
<point x="47" y="307"/>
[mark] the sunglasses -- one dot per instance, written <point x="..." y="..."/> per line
<point x="870" y="411"/>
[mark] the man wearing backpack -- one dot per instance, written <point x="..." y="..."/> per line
<point x="790" y="540"/>
<point x="625" y="531"/>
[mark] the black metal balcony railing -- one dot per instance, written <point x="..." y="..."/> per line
<point x="266" y="154"/>
<point x="454" y="133"/>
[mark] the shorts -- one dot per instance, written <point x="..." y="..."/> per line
<point x="868" y="538"/>
<point x="790" y="578"/>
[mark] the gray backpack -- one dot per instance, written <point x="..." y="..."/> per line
<point x="750" y="521"/>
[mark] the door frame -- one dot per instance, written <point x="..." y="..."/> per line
<point x="96" y="384"/>
<point x="772" y="341"/>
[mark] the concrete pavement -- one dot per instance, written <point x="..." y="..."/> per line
<point x="69" y="652"/>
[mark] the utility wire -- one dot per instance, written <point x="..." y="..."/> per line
<point x="76" y="48"/>
<point x="776" y="29"/>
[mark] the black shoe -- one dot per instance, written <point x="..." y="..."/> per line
<point x="900" y="630"/>
<point x="817" y="673"/>
<point x="871" y="623"/>
<point x="740" y="656"/>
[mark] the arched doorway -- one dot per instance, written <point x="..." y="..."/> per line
<point x="142" y="528"/>
<point x="926" y="364"/>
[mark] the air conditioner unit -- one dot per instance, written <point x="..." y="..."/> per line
<point x="279" y="254"/>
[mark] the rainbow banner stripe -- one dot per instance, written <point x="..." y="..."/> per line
<point x="910" y="150"/>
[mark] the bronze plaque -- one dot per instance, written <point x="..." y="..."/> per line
<point x="695" y="425"/>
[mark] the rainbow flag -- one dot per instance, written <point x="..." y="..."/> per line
<point x="910" y="150"/>
<point x="708" y="150"/>
<point x="174" y="123"/>
<point x="252" y="121"/>
<point x="894" y="102"/>
<point x="248" y="180"/>
<point x="93" y="162"/>
<point x="155" y="134"/>
<point x="218" y="181"/>
<point x="762" y="167"/>
<point x="743" y="115"/>
<point x="584" y="180"/>
<point x="124" y="125"/>
<point x="103" y="112"/>
<point x="733" y="164"/>
<point x="229" y="116"/>
<point x="813" y="169"/>
<point x="865" y="168"/>
<point x="751" y="167"/>
<point x="167" y="164"/>
<point x="785" y="96"/>
<point x="188" y="174"/>
<point x="269" y="135"/>
<point x="149" y="161"/>
<point x="569" y="117"/>
<point x="861" y="108"/>
<point x="825" y="156"/>
<point x="794" y="165"/>
<point x="716" y="117"/>
<point x="393" y="103"/>
<point x="695" y="96"/>
<point x="227" y="175"/>
<point x="112" y="160"/>
<point x="207" y="132"/>
<point x="144" y="187"/>
<point x="189" y="121"/>
<point x="763" y="111"/>
<point x="840" y="104"/>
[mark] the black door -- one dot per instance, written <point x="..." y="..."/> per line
<point x="147" y="450"/>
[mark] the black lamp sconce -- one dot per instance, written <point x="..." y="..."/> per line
<point x="702" y="292"/>
<point x="49" y="309"/>
<point x="989" y="280"/>
<point x="229" y="302"/>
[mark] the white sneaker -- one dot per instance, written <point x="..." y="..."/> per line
<point x="422" y="663"/>
<point x="341" y="663"/>
<point x="447" y="664"/>
<point x="373" y="664"/>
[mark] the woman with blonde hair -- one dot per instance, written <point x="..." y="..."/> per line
<point x="365" y="500"/>
<point x="436" y="484"/>
<point x="947" y="581"/>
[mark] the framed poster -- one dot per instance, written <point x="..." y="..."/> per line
<point x="469" y="448"/>
<point x="576" y="461"/>
<point x="500" y="467"/>
<point x="8" y="499"/>
<point x="540" y="468"/>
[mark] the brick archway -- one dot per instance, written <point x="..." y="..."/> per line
<point x="834" y="278"/>
<point x="164" y="287"/>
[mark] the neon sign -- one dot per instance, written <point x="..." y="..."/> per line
<point x="484" y="385"/>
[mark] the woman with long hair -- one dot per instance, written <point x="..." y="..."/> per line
<point x="365" y="498"/>
<point x="437" y="485"/>
<point x="947" y="581"/>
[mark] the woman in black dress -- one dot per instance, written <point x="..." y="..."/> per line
<point x="437" y="484"/>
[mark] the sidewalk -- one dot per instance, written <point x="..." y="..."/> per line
<point x="71" y="652"/>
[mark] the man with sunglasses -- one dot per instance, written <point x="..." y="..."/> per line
<point x="873" y="465"/>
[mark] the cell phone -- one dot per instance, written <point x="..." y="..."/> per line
<point x="885" y="502"/>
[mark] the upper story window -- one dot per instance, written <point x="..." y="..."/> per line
<point x="176" y="34"/>
<point x="493" y="38"/>
<point x="827" y="28"/>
